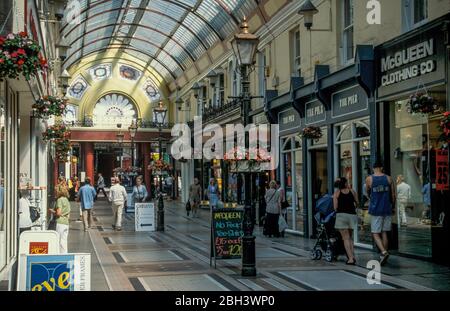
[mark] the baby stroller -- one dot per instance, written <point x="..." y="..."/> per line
<point x="328" y="240"/>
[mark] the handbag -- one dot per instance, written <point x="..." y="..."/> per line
<point x="188" y="206"/>
<point x="34" y="213"/>
<point x="284" y="204"/>
<point x="282" y="224"/>
<point x="52" y="224"/>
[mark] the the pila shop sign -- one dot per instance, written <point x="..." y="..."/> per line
<point x="403" y="65"/>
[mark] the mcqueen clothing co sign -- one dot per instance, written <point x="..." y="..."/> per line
<point x="406" y="57"/>
<point x="416" y="58"/>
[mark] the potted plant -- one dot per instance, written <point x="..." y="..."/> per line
<point x="47" y="106"/>
<point x="421" y="103"/>
<point x="19" y="54"/>
<point x="312" y="132"/>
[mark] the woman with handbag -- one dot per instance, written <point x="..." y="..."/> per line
<point x="284" y="205"/>
<point x="61" y="214"/>
<point x="273" y="210"/>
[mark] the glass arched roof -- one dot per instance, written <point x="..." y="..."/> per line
<point x="170" y="35"/>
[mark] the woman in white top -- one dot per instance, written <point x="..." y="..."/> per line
<point x="25" y="222"/>
<point x="273" y="210"/>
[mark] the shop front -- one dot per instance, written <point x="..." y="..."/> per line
<point x="414" y="68"/>
<point x="334" y="137"/>
<point x="291" y="167"/>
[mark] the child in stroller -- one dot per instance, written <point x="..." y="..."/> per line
<point x="329" y="240"/>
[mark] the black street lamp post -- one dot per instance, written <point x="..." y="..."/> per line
<point x="132" y="129"/>
<point x="160" y="114"/>
<point x="244" y="47"/>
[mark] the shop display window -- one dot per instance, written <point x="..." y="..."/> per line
<point x="292" y="180"/>
<point x="415" y="148"/>
<point x="352" y="145"/>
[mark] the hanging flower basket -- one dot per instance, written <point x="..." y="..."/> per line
<point x="235" y="154"/>
<point x="62" y="148"/>
<point x="19" y="54"/>
<point x="56" y="132"/>
<point x="421" y="103"/>
<point x="48" y="106"/>
<point x="159" y="165"/>
<point x="312" y="132"/>
<point x="444" y="126"/>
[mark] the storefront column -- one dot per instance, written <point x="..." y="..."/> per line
<point x="89" y="160"/>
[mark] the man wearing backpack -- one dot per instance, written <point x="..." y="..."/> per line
<point x="381" y="190"/>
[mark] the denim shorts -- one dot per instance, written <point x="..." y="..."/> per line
<point x="345" y="221"/>
<point x="379" y="224"/>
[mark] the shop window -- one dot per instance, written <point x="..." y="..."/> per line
<point x="416" y="158"/>
<point x="295" y="53"/>
<point x="347" y="31"/>
<point x="415" y="13"/>
<point x="292" y="180"/>
<point x="352" y="152"/>
<point x="262" y="74"/>
<point x="221" y="89"/>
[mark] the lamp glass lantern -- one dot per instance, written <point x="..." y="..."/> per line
<point x="62" y="46"/>
<point x="120" y="136"/>
<point x="196" y="89"/>
<point x="244" y="45"/>
<point x="308" y="10"/>
<point x="64" y="78"/>
<point x="133" y="129"/>
<point x="160" y="114"/>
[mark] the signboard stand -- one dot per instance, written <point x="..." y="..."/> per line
<point x="144" y="217"/>
<point x="226" y="234"/>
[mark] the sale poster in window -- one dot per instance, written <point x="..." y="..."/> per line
<point x="69" y="272"/>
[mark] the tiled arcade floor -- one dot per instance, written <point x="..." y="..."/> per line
<point x="178" y="259"/>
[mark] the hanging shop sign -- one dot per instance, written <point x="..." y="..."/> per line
<point x="409" y="62"/>
<point x="349" y="101"/>
<point x="442" y="170"/>
<point x="288" y="120"/>
<point x="315" y="112"/>
<point x="69" y="272"/>
<point x="144" y="217"/>
<point x="226" y="233"/>
<point x="260" y="118"/>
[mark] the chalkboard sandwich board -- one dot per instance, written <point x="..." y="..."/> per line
<point x="226" y="233"/>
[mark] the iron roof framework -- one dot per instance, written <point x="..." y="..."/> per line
<point x="169" y="35"/>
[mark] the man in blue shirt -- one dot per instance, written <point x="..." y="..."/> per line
<point x="382" y="192"/>
<point x="86" y="196"/>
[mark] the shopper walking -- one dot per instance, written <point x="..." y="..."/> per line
<point x="345" y="201"/>
<point x="273" y="210"/>
<point x="25" y="222"/>
<point x="101" y="186"/>
<point x="140" y="193"/>
<point x="381" y="190"/>
<point x="284" y="204"/>
<point x="62" y="214"/>
<point x="86" y="196"/>
<point x="212" y="193"/>
<point x="195" y="193"/>
<point x="117" y="197"/>
<point x="403" y="196"/>
<point x="168" y="181"/>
